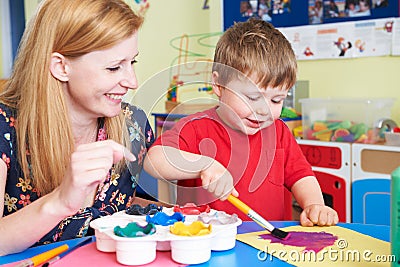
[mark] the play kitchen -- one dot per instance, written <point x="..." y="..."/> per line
<point x="353" y="145"/>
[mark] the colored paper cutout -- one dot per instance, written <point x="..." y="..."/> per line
<point x="349" y="249"/>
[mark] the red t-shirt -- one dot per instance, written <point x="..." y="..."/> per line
<point x="263" y="165"/>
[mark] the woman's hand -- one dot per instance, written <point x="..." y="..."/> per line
<point x="90" y="165"/>
<point x="316" y="214"/>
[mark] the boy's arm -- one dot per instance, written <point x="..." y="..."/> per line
<point x="173" y="164"/>
<point x="308" y="194"/>
<point x="307" y="191"/>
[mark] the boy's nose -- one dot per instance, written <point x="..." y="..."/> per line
<point x="262" y="109"/>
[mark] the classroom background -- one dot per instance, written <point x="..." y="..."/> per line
<point x="355" y="178"/>
<point x="196" y="26"/>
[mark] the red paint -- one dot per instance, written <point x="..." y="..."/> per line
<point x="192" y="209"/>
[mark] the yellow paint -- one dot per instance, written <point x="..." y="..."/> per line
<point x="196" y="228"/>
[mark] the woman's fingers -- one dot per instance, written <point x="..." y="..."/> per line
<point x="108" y="147"/>
<point x="93" y="161"/>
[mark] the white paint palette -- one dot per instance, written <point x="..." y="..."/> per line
<point x="184" y="249"/>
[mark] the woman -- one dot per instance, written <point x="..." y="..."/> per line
<point x="61" y="125"/>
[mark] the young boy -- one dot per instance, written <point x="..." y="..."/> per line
<point x="241" y="147"/>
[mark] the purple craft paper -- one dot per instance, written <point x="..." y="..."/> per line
<point x="315" y="241"/>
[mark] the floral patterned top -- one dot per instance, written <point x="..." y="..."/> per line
<point x="113" y="195"/>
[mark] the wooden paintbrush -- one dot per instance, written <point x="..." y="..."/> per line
<point x="257" y="218"/>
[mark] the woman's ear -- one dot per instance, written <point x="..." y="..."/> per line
<point x="215" y="85"/>
<point x="59" y="67"/>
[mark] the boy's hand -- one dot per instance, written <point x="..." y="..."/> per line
<point x="316" y="214"/>
<point x="216" y="179"/>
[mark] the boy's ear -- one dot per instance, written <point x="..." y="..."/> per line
<point x="215" y="85"/>
<point x="59" y="67"/>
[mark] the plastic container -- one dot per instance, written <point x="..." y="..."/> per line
<point x="225" y="236"/>
<point x="135" y="250"/>
<point x="142" y="249"/>
<point x="186" y="245"/>
<point x="191" y="243"/>
<point x="191" y="250"/>
<point x="225" y="228"/>
<point x="392" y="139"/>
<point x="352" y="120"/>
<point x="104" y="242"/>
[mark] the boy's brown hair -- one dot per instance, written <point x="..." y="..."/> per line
<point x="255" y="47"/>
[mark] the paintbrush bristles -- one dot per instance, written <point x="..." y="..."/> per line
<point x="278" y="233"/>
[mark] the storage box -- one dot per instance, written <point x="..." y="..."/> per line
<point x="352" y="120"/>
<point x="392" y="139"/>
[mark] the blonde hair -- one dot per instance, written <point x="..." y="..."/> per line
<point x="72" y="28"/>
<point x="255" y="47"/>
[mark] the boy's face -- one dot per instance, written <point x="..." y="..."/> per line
<point x="246" y="108"/>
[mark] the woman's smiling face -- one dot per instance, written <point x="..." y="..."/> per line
<point x="98" y="80"/>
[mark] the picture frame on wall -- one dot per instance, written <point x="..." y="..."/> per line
<point x="257" y="8"/>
